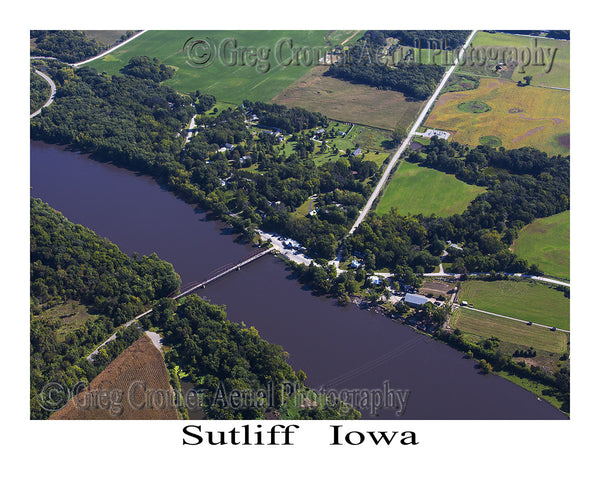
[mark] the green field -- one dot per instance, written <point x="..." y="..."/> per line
<point x="474" y="107"/>
<point x="228" y="83"/>
<point x="525" y="300"/>
<point x="414" y="189"/>
<point x="555" y="74"/>
<point x="482" y="326"/>
<point x="70" y="315"/>
<point x="546" y="242"/>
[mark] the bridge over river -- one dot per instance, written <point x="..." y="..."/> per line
<point x="192" y="286"/>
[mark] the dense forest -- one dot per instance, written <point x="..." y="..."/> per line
<point x="413" y="80"/>
<point x="289" y="120"/>
<point x="362" y="64"/>
<point x="220" y="357"/>
<point x="71" y="266"/>
<point x="434" y="39"/>
<point x="126" y="119"/>
<point x="68" y="46"/>
<point x="39" y="92"/>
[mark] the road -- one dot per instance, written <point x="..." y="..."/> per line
<point x="515" y="319"/>
<point x="110" y="50"/>
<point x="52" y="93"/>
<point x="114" y="335"/>
<point x="363" y="213"/>
<point x="522" y="275"/>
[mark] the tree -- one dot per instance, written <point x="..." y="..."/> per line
<point x="484" y="366"/>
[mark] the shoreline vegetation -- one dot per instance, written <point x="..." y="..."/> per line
<point x="238" y="172"/>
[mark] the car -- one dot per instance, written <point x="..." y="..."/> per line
<point x="529" y="323"/>
<point x="553" y="329"/>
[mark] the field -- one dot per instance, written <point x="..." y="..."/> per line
<point x="70" y="315"/>
<point x="482" y="326"/>
<point x="414" y="189"/>
<point x="545" y="242"/>
<point x="349" y="102"/>
<point x="141" y="364"/>
<point x="518" y="116"/>
<point x="207" y="69"/>
<point x="524" y="300"/>
<point x="553" y="74"/>
<point x="108" y="37"/>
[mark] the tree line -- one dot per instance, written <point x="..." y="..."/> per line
<point x="434" y="39"/>
<point x="363" y="63"/>
<point x="70" y="46"/>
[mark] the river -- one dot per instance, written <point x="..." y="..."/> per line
<point x="338" y="347"/>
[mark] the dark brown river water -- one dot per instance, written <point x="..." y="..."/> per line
<point x="338" y="347"/>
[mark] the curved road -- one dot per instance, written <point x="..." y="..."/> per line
<point x="52" y="93"/>
<point x="110" y="50"/>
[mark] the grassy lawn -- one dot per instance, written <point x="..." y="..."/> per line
<point x="349" y="102"/>
<point x="228" y="83"/>
<point x="371" y="141"/>
<point x="414" y="189"/>
<point x="70" y="315"/>
<point x="524" y="300"/>
<point x="558" y="75"/>
<point x="545" y="242"/>
<point x="518" y="117"/>
<point x="483" y="326"/>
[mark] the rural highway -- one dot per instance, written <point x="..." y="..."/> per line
<point x="363" y="213"/>
<point x="52" y="93"/>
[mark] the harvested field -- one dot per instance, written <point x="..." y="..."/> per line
<point x="349" y="102"/>
<point x="135" y="386"/>
<point x="516" y="334"/>
<point x="437" y="288"/>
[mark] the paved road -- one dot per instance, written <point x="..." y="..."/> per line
<point x="52" y="92"/>
<point x="114" y="335"/>
<point x="363" y="213"/>
<point x="110" y="50"/>
<point x="522" y="275"/>
<point x="512" y="318"/>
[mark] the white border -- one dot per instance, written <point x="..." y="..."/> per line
<point x="451" y="449"/>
